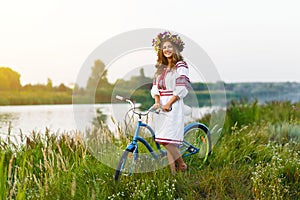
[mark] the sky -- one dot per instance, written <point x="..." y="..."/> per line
<point x="257" y="40"/>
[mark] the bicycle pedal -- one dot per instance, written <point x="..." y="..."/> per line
<point x="192" y="150"/>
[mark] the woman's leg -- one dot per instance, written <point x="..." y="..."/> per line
<point x="171" y="162"/>
<point x="181" y="164"/>
<point x="174" y="155"/>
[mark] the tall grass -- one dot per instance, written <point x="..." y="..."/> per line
<point x="257" y="157"/>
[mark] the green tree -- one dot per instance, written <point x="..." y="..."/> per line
<point x="4" y="84"/>
<point x="63" y="88"/>
<point x="49" y="84"/>
<point x="98" y="77"/>
<point x="142" y="73"/>
<point x="9" y="79"/>
<point x="78" y="90"/>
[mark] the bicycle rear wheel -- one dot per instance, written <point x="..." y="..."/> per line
<point x="197" y="140"/>
<point x="126" y="164"/>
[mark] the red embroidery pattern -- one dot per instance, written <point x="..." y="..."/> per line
<point x="168" y="141"/>
<point x="166" y="93"/>
<point x="181" y="64"/>
<point x="161" y="80"/>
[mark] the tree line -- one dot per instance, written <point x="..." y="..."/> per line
<point x="13" y="93"/>
<point x="99" y="90"/>
<point x="10" y="81"/>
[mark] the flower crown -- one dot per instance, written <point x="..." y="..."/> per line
<point x="167" y="36"/>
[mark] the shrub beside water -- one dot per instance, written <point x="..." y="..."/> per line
<point x="256" y="157"/>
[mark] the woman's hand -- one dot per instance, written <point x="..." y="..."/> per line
<point x="156" y="105"/>
<point x="167" y="108"/>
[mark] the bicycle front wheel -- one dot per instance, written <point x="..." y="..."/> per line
<point x="197" y="141"/>
<point x="125" y="165"/>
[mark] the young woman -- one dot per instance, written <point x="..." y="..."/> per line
<point x="170" y="86"/>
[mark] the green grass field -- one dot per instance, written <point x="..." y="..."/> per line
<point x="256" y="157"/>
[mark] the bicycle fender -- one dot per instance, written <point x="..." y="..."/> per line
<point x="196" y="124"/>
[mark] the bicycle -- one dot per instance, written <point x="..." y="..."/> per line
<point x="197" y="140"/>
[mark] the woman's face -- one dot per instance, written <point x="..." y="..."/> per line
<point x="168" y="49"/>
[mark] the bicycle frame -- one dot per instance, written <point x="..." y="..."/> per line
<point x="133" y="146"/>
<point x="187" y="147"/>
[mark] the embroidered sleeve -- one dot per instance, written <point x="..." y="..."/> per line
<point x="182" y="81"/>
<point x="154" y="89"/>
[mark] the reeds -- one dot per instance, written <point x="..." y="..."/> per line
<point x="256" y="157"/>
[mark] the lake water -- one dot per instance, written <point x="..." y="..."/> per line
<point x="65" y="118"/>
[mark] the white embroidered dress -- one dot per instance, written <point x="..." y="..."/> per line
<point x="169" y="126"/>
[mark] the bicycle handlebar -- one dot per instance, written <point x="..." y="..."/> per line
<point x="151" y="109"/>
<point x="120" y="98"/>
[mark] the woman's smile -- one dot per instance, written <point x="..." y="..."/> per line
<point x="167" y="49"/>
